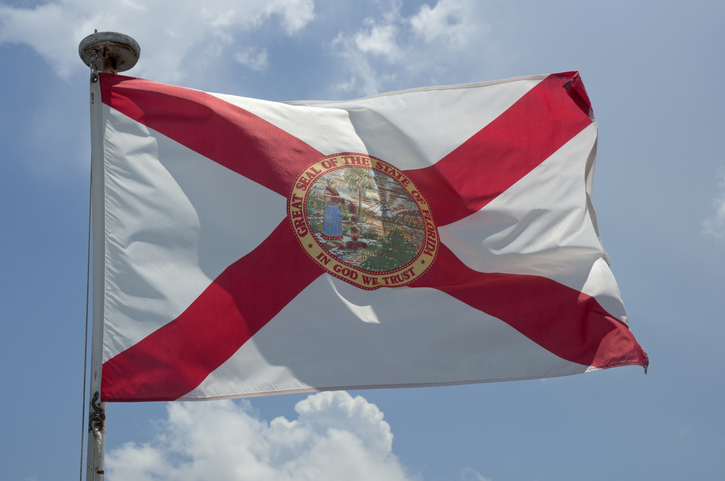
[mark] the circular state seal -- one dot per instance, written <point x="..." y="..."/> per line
<point x="363" y="221"/>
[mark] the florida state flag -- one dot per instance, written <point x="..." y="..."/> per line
<point x="427" y="237"/>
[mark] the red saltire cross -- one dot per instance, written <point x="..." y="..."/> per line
<point x="176" y="358"/>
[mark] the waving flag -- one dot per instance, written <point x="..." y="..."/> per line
<point x="426" y="237"/>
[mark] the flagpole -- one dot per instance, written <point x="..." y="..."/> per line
<point x="107" y="52"/>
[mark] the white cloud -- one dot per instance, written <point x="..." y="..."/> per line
<point x="254" y="58"/>
<point x="335" y="436"/>
<point x="449" y="21"/>
<point x="378" y="40"/>
<point x="715" y="225"/>
<point x="363" y="77"/>
<point x="391" y="49"/>
<point x="295" y="13"/>
<point x="183" y="32"/>
<point x="473" y="475"/>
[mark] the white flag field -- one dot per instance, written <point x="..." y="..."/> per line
<point x="427" y="237"/>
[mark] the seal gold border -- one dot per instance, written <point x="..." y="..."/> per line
<point x="364" y="279"/>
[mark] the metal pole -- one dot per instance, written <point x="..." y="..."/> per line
<point x="108" y="52"/>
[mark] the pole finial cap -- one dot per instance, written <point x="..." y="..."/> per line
<point x="117" y="51"/>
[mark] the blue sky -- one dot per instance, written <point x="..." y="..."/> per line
<point x="653" y="72"/>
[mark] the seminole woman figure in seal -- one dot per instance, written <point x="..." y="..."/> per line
<point x="332" y="218"/>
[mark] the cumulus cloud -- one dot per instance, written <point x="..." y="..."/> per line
<point x="180" y="30"/>
<point x="469" y="474"/>
<point x="715" y="224"/>
<point x="379" y="40"/>
<point x="448" y="21"/>
<point x="335" y="436"/>
<point x="254" y="58"/>
<point x="390" y="49"/>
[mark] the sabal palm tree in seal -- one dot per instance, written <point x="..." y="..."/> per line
<point x="362" y="181"/>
